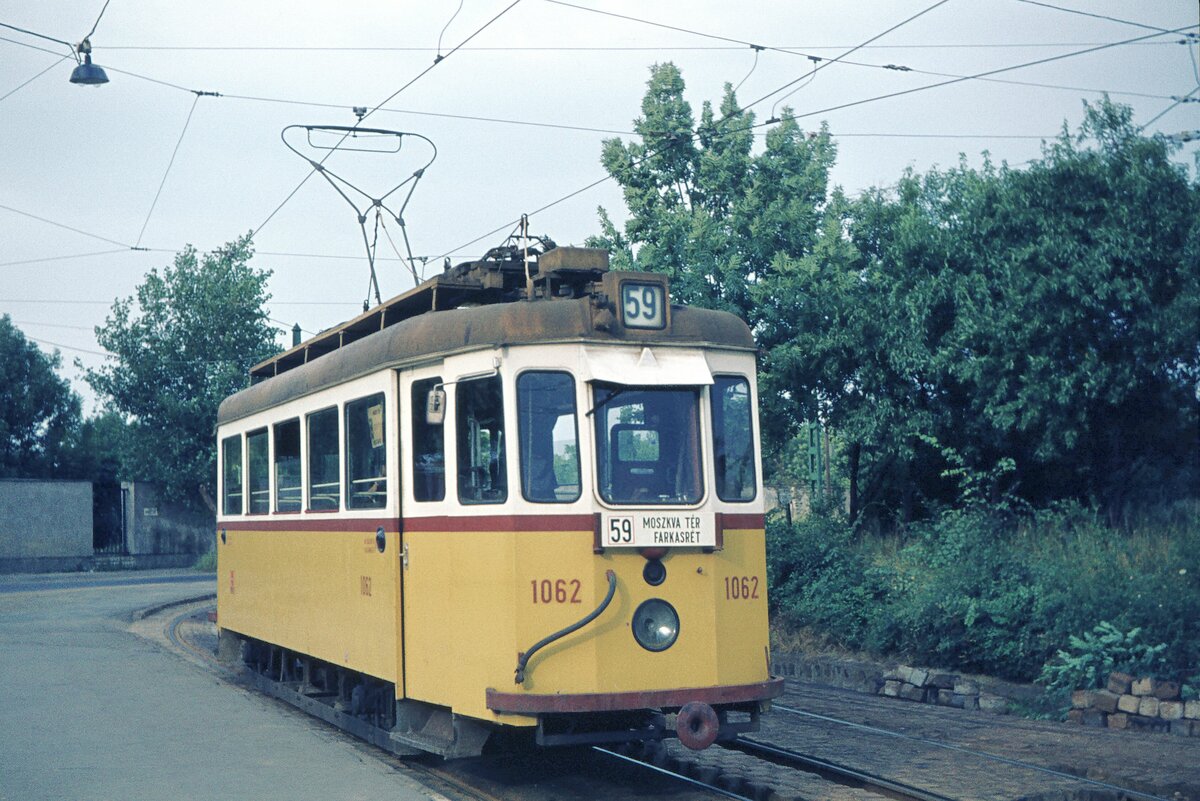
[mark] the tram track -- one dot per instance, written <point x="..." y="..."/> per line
<point x="752" y="769"/>
<point x="1123" y="792"/>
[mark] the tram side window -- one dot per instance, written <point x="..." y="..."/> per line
<point x="366" y="454"/>
<point x="287" y="466"/>
<point x="482" y="477"/>
<point x="231" y="475"/>
<point x="259" y="472"/>
<point x="429" y="446"/>
<point x="549" y="437"/>
<point x="324" y="485"/>
<point x="733" y="439"/>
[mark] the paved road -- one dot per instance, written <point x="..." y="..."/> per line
<point x="90" y="711"/>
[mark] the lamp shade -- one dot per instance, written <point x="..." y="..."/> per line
<point x="88" y="73"/>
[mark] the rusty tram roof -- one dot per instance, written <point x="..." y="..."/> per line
<point x="433" y="320"/>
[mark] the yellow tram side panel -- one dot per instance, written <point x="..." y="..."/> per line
<point x="477" y="609"/>
<point x="327" y="594"/>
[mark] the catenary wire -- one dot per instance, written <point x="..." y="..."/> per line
<point x="863" y="101"/>
<point x="21" y="86"/>
<point x="63" y="258"/>
<point x="590" y="129"/>
<point x="167" y="172"/>
<point x="978" y="75"/>
<point x="651" y="152"/>
<point x="98" y="18"/>
<point x="1178" y="100"/>
<point x="66" y="227"/>
<point x="388" y="99"/>
<point x="1093" y="15"/>
<point x="599" y="48"/>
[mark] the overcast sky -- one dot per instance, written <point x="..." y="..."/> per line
<point x="518" y="115"/>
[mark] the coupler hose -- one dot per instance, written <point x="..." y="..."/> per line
<point x="524" y="657"/>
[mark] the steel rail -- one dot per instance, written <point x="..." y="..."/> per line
<point x="868" y="780"/>
<point x="970" y="751"/>
<point x="664" y="772"/>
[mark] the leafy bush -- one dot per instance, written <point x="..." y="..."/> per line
<point x="819" y="579"/>
<point x="998" y="594"/>
<point x="1099" y="652"/>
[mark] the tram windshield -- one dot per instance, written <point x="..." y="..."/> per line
<point x="648" y="444"/>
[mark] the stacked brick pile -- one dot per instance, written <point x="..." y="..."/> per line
<point x="938" y="687"/>
<point x="1130" y="703"/>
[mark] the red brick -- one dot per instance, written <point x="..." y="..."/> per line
<point x="1082" y="699"/>
<point x="1118" y="720"/>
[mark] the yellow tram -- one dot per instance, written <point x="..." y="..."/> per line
<point x="521" y="502"/>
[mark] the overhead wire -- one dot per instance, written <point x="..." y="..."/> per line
<point x="170" y="164"/>
<point x="388" y="99"/>
<point x="62" y="258"/>
<point x="1092" y="14"/>
<point x="67" y="227"/>
<point x="98" y="18"/>
<point x="863" y="101"/>
<point x="652" y="151"/>
<point x="22" y="85"/>
<point x="979" y="75"/>
<point x="1178" y="101"/>
<point x="854" y="49"/>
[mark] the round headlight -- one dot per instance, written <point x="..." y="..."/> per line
<point x="655" y="625"/>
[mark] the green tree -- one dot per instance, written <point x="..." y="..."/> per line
<point x="181" y="345"/>
<point x="39" y="413"/>
<point x="703" y="207"/>
<point x="1029" y="333"/>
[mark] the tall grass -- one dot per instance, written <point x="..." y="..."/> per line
<point x="997" y="594"/>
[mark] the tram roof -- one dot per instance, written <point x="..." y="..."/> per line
<point x="435" y="334"/>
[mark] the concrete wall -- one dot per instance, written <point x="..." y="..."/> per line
<point x="45" y="520"/>
<point x="156" y="527"/>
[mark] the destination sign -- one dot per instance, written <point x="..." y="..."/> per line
<point x="661" y="529"/>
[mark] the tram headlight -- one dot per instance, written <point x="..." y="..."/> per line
<point x="655" y="625"/>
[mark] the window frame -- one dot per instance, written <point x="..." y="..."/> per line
<point x="310" y="452"/>
<point x="603" y="442"/>
<point x="718" y="447"/>
<point x="235" y="439"/>
<point x="276" y="499"/>
<point x="417" y="420"/>
<point x="521" y="434"/>
<point x="348" y="452"/>
<point x="461" y="458"/>
<point x="265" y="433"/>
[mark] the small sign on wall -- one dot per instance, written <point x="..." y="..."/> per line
<point x="150" y="511"/>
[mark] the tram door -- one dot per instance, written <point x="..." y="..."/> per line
<point x="459" y="565"/>
<point x="422" y="561"/>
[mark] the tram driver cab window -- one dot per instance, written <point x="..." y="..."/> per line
<point x="648" y="444"/>
<point x="482" y="476"/>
